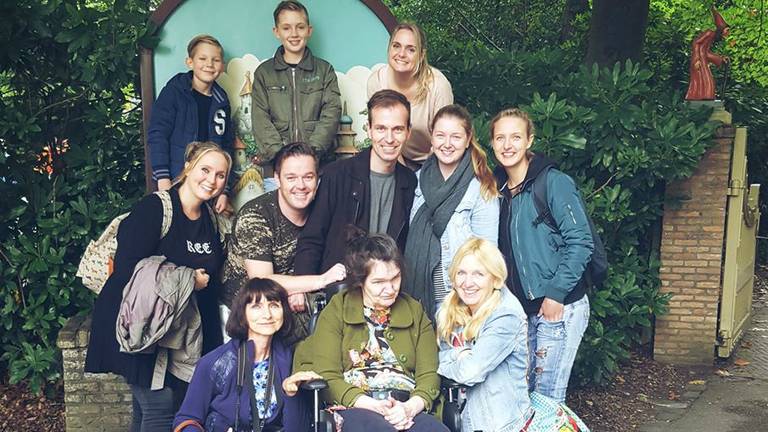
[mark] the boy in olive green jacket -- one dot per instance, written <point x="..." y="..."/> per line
<point x="295" y="94"/>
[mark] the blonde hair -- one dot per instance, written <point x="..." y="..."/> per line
<point x="453" y="313"/>
<point x="423" y="73"/>
<point x="515" y="113"/>
<point x="483" y="173"/>
<point x="194" y="152"/>
<point x="203" y="38"/>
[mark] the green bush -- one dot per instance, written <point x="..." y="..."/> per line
<point x="622" y="133"/>
<point x="71" y="158"/>
<point x="621" y="140"/>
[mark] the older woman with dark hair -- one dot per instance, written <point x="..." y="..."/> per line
<point x="244" y="375"/>
<point x="375" y="346"/>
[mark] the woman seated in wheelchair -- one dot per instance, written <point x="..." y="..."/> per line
<point x="375" y="346"/>
<point x="482" y="333"/>
<point x="243" y="376"/>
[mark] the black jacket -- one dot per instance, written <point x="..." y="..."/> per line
<point x="138" y="237"/>
<point x="344" y="198"/>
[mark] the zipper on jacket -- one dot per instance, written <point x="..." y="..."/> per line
<point x="399" y="231"/>
<point x="295" y="106"/>
<point x="357" y="205"/>
<point x="517" y="241"/>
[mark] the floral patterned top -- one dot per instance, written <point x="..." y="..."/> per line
<point x="260" y="376"/>
<point x="375" y="366"/>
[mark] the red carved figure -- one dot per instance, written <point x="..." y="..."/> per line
<point x="702" y="84"/>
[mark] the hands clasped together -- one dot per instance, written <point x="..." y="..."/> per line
<point x="399" y="414"/>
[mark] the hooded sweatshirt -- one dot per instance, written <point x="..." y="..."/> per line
<point x="541" y="263"/>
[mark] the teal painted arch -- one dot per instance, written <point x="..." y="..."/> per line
<point x="346" y="33"/>
<point x="350" y="34"/>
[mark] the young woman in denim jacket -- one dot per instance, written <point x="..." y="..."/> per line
<point x="545" y="265"/>
<point x="482" y="331"/>
<point x="455" y="199"/>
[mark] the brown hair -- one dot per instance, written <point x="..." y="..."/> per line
<point x="363" y="249"/>
<point x="479" y="157"/>
<point x="203" y="38"/>
<point x="423" y="73"/>
<point x="515" y="113"/>
<point x="252" y="292"/>
<point x="387" y="98"/>
<point x="194" y="152"/>
<point x="289" y="5"/>
<point x="298" y="148"/>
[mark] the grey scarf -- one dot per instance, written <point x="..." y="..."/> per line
<point x="422" y="249"/>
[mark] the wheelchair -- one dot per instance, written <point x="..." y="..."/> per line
<point x="453" y="403"/>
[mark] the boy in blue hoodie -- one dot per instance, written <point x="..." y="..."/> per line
<point x="191" y="107"/>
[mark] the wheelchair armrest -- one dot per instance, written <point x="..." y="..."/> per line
<point x="450" y="384"/>
<point x="315" y="385"/>
<point x="334" y="288"/>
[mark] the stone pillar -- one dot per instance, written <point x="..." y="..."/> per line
<point x="691" y="257"/>
<point x="94" y="402"/>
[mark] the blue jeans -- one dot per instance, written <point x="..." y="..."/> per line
<point x="552" y="348"/>
<point x="152" y="409"/>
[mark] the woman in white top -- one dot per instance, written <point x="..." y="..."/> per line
<point x="426" y="88"/>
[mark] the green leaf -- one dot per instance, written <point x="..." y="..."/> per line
<point x="573" y="141"/>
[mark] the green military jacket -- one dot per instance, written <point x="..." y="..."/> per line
<point x="294" y="104"/>
<point x="341" y="327"/>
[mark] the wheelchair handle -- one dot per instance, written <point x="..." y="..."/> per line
<point x="314" y="385"/>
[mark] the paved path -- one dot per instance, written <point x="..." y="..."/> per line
<point x="735" y="403"/>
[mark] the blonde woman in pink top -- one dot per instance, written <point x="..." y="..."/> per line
<point x="426" y="88"/>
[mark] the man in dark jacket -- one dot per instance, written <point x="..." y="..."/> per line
<point x="371" y="190"/>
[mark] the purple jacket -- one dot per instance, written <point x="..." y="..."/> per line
<point x="211" y="396"/>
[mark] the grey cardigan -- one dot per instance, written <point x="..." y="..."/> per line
<point x="159" y="312"/>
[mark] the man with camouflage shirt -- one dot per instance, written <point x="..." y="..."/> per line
<point x="266" y="229"/>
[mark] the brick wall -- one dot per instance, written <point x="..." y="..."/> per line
<point x="94" y="402"/>
<point x="691" y="258"/>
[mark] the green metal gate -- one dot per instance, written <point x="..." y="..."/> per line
<point x="742" y="223"/>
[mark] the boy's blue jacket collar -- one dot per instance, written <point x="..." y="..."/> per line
<point x="183" y="82"/>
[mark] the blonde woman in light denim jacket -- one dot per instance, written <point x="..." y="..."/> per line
<point x="456" y="199"/>
<point x="482" y="332"/>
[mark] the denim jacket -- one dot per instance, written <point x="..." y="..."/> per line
<point x="473" y="217"/>
<point x="495" y="370"/>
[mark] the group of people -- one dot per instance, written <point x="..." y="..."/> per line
<point x="449" y="271"/>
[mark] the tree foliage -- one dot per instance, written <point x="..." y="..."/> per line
<point x="71" y="154"/>
<point x="745" y="80"/>
<point x="622" y="132"/>
<point x="621" y="140"/>
<point x="71" y="159"/>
